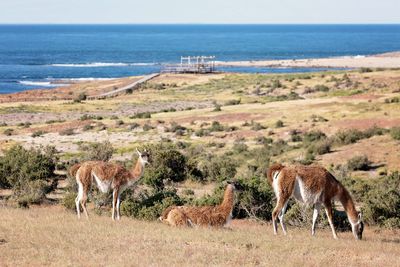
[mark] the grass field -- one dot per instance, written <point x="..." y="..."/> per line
<point x="53" y="237"/>
<point x="250" y="105"/>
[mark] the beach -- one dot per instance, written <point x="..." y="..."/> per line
<point x="386" y="60"/>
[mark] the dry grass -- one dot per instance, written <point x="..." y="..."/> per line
<point x="51" y="236"/>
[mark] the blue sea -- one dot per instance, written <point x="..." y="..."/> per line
<point x="34" y="56"/>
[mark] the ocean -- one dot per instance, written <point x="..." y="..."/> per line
<point x="34" y="56"/>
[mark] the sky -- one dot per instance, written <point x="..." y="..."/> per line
<point x="199" y="11"/>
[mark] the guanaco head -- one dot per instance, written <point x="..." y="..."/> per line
<point x="144" y="156"/>
<point x="358" y="227"/>
<point x="236" y="185"/>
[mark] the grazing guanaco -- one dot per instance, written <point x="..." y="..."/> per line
<point x="108" y="176"/>
<point x="312" y="185"/>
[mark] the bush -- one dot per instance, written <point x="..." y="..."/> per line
<point x="175" y="128"/>
<point x="98" y="151"/>
<point x="147" y="127"/>
<point x="216" y="127"/>
<point x="395" y="133"/>
<point x="217" y="107"/>
<point x="67" y="132"/>
<point x="279" y="124"/>
<point x="321" y="88"/>
<point x="365" y="70"/>
<point x="38" y="133"/>
<point x="168" y="164"/>
<point x="255" y="126"/>
<point x="217" y="168"/>
<point x="87" y="127"/>
<point x="202" y="132"/>
<point x="149" y="206"/>
<point x="8" y="132"/>
<point x="313" y="136"/>
<point x="233" y="102"/>
<point x="141" y="115"/>
<point x="358" y="163"/>
<point x="81" y="97"/>
<point x="320" y="147"/>
<point x="381" y="203"/>
<point x="256" y="200"/>
<point x="26" y="172"/>
<point x="345" y="137"/>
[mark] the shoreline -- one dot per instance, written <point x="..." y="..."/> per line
<point x="386" y="60"/>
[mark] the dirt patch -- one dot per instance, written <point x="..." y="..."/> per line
<point x="223" y="118"/>
<point x="51" y="128"/>
<point x="380" y="150"/>
<point x="362" y="97"/>
<point x="363" y="124"/>
<point x="123" y="110"/>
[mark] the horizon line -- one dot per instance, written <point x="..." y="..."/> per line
<point x="196" y="23"/>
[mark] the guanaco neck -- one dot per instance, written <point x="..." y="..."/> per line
<point x="348" y="204"/>
<point x="138" y="170"/>
<point x="227" y="202"/>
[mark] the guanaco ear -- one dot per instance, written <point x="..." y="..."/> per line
<point x="138" y="152"/>
<point x="360" y="216"/>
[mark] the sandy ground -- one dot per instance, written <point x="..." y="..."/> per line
<point x="388" y="60"/>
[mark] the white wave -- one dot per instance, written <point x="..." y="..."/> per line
<point x="42" y="84"/>
<point x="101" y="64"/>
<point x="79" y="79"/>
<point x="359" y="56"/>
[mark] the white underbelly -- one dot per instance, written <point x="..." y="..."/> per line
<point x="104" y="186"/>
<point x="302" y="194"/>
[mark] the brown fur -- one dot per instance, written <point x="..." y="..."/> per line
<point x="114" y="175"/>
<point x="73" y="169"/>
<point x="214" y="216"/>
<point x="318" y="182"/>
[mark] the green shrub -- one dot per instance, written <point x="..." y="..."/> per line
<point x="233" y="102"/>
<point x="119" y="122"/>
<point x="149" y="206"/>
<point x="216" y="127"/>
<point x="256" y="200"/>
<point x="365" y="70"/>
<point x="87" y="127"/>
<point x="98" y="151"/>
<point x="358" y="163"/>
<point x="312" y="136"/>
<point x="217" y="168"/>
<point x="133" y="125"/>
<point x="320" y="147"/>
<point x="141" y="115"/>
<point x="67" y="132"/>
<point x="202" y="132"/>
<point x="239" y="147"/>
<point x="26" y="172"/>
<point x="255" y="126"/>
<point x="69" y="201"/>
<point x="8" y="132"/>
<point x="345" y="137"/>
<point x="168" y="164"/>
<point x="321" y="88"/>
<point x="147" y="127"/>
<point x="175" y="128"/>
<point x="217" y="107"/>
<point x="395" y="133"/>
<point x="382" y="202"/>
<point x="38" y="133"/>
<point x="279" y="124"/>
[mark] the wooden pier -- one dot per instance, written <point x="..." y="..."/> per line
<point x="192" y="64"/>
<point x="125" y="88"/>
